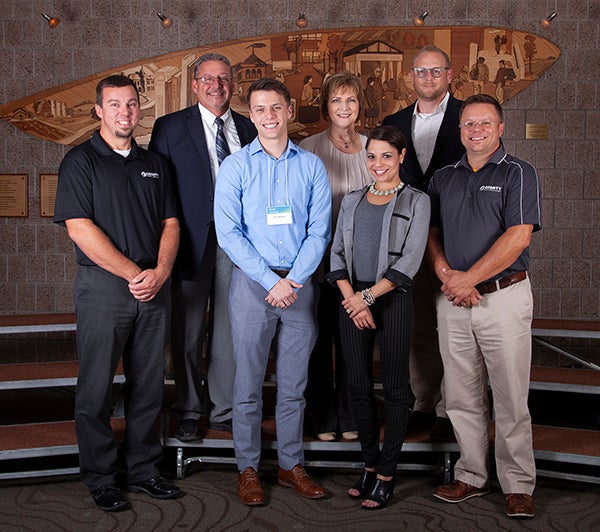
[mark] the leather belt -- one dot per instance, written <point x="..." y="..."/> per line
<point x="499" y="284"/>
<point x="281" y="273"/>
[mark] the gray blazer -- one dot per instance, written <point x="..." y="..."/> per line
<point x="403" y="237"/>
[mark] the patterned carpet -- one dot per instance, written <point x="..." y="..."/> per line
<point x="211" y="503"/>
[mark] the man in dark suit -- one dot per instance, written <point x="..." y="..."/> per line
<point x="430" y="126"/>
<point x="195" y="140"/>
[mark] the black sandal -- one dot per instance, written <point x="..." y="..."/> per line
<point x="364" y="484"/>
<point x="381" y="493"/>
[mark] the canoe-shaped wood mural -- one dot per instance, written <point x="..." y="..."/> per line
<point x="65" y="114"/>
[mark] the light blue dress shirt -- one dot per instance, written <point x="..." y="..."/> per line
<point x="250" y="181"/>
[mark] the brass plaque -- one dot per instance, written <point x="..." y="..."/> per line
<point x="48" y="185"/>
<point x="536" y="131"/>
<point x="13" y="195"/>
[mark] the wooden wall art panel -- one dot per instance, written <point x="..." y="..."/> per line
<point x="65" y="114"/>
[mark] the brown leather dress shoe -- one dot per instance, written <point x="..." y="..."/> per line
<point x="298" y="479"/>
<point x="458" y="491"/>
<point x="519" y="505"/>
<point x="249" y="488"/>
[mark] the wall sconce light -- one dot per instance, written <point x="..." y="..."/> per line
<point x="420" y="20"/>
<point x="302" y="21"/>
<point x="547" y="22"/>
<point x="165" y="21"/>
<point x="52" y="21"/>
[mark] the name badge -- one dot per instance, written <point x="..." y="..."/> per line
<point x="280" y="215"/>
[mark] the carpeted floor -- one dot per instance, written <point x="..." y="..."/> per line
<point x="211" y="503"/>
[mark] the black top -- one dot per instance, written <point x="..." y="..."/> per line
<point x="448" y="148"/>
<point x="127" y="197"/>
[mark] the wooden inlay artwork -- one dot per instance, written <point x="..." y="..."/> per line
<point x="497" y="61"/>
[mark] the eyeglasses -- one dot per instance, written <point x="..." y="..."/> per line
<point x="436" y="72"/>
<point x="209" y="80"/>
<point x="482" y="124"/>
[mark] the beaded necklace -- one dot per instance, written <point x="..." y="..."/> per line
<point x="376" y="192"/>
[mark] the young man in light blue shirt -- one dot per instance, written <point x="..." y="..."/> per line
<point x="273" y="219"/>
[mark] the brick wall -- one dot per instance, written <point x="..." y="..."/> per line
<point x="36" y="258"/>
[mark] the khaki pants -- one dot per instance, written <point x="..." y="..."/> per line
<point x="495" y="334"/>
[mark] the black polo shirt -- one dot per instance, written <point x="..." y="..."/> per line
<point x="473" y="209"/>
<point x="127" y="197"/>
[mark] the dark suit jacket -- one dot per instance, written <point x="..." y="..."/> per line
<point x="180" y="138"/>
<point x="448" y="148"/>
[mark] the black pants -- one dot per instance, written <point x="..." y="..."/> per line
<point x="111" y="325"/>
<point x="328" y="403"/>
<point x="393" y="316"/>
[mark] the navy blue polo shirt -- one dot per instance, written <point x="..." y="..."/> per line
<point x="127" y="197"/>
<point x="473" y="209"/>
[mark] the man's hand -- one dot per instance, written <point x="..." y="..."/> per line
<point x="282" y="295"/>
<point x="459" y="289"/>
<point x="146" y="284"/>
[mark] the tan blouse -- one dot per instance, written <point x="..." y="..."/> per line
<point x="346" y="171"/>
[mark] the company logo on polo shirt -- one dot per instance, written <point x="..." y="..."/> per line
<point x="490" y="188"/>
<point x="152" y="175"/>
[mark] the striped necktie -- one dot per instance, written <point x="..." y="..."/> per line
<point x="221" y="141"/>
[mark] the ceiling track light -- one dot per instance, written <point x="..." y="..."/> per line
<point x="420" y="20"/>
<point x="165" y="21"/>
<point x="302" y="21"/>
<point x="547" y="22"/>
<point x="52" y="21"/>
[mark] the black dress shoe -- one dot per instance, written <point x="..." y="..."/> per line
<point x="364" y="484"/>
<point x="223" y="426"/>
<point x="187" y="430"/>
<point x="381" y="492"/>
<point x="156" y="487"/>
<point x="110" y="499"/>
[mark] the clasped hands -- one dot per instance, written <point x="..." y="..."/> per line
<point x="358" y="311"/>
<point x="458" y="289"/>
<point x="283" y="294"/>
<point x="146" y="284"/>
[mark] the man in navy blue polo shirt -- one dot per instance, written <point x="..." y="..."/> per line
<point x="117" y="204"/>
<point x="484" y="209"/>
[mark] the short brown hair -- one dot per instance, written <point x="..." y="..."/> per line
<point x="269" y="84"/>
<point x="117" y="80"/>
<point x="482" y="98"/>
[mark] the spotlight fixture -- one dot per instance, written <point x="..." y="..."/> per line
<point x="52" y="21"/>
<point x="547" y="22"/>
<point x="165" y="21"/>
<point x="420" y="20"/>
<point x="302" y="21"/>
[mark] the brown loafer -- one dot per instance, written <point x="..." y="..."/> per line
<point x="458" y="491"/>
<point x="298" y="479"/>
<point x="519" y="505"/>
<point x="249" y="489"/>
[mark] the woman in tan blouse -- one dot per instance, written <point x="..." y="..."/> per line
<point x="342" y="150"/>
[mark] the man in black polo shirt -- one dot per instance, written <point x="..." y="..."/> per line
<point x="116" y="202"/>
<point x="483" y="211"/>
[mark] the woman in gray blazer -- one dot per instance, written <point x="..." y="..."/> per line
<point x="377" y="249"/>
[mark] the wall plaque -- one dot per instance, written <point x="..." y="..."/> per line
<point x="536" y="131"/>
<point x="48" y="185"/>
<point x="13" y="195"/>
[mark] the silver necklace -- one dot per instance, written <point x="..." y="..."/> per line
<point x="376" y="192"/>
